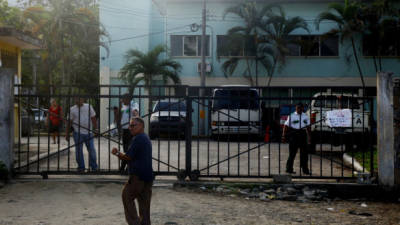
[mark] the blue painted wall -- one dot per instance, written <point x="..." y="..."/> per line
<point x="180" y="14"/>
<point x="128" y="20"/>
<point x="145" y="23"/>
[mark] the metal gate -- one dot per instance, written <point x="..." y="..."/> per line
<point x="230" y="131"/>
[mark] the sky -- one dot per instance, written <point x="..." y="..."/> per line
<point x="12" y="2"/>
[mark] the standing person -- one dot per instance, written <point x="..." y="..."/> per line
<point x="53" y="120"/>
<point x="298" y="124"/>
<point x="82" y="117"/>
<point x="139" y="185"/>
<point x="129" y="109"/>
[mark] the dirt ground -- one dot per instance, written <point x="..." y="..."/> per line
<point x="62" y="202"/>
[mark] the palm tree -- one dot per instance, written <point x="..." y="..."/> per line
<point x="242" y="38"/>
<point x="141" y="67"/>
<point x="346" y="17"/>
<point x="381" y="28"/>
<point x="274" y="45"/>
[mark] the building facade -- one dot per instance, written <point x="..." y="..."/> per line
<point x="143" y="24"/>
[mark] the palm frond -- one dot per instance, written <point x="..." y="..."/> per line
<point x="229" y="66"/>
<point x="328" y="16"/>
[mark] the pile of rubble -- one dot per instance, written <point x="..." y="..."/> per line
<point x="288" y="192"/>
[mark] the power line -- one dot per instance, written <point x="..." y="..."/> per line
<point x="144" y="35"/>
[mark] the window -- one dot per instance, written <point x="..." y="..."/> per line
<point x="235" y="46"/>
<point x="188" y="45"/>
<point x="313" y="45"/>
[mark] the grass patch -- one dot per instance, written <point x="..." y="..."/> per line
<point x="364" y="158"/>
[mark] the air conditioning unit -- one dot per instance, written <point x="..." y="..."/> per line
<point x="207" y="67"/>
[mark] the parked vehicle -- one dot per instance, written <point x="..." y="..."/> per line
<point x="26" y="126"/>
<point x="168" y="117"/>
<point x="357" y="134"/>
<point x="39" y="117"/>
<point x="235" y="110"/>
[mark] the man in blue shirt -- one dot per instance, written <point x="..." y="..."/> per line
<point x="139" y="159"/>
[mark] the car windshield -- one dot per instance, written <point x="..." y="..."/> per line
<point x="336" y="102"/>
<point x="170" y="106"/>
<point x="38" y="113"/>
<point x="236" y="99"/>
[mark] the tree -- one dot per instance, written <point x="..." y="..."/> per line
<point x="265" y="37"/>
<point x="273" y="46"/>
<point x="242" y="38"/>
<point x="10" y="16"/>
<point x="382" y="23"/>
<point x="349" y="25"/>
<point x="71" y="34"/>
<point x="145" y="67"/>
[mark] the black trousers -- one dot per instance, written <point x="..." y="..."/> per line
<point x="297" y="139"/>
<point x="126" y="141"/>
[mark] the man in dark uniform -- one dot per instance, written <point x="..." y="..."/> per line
<point x="297" y="127"/>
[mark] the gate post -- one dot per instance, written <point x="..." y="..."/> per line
<point x="188" y="136"/>
<point x="6" y="118"/>
<point x="388" y="131"/>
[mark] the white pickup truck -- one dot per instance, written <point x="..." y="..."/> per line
<point x="350" y="135"/>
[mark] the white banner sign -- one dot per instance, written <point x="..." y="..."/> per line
<point x="339" y="118"/>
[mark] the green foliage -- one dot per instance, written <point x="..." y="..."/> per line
<point x="275" y="40"/>
<point x="265" y="34"/>
<point x="239" y="37"/>
<point x="145" y="67"/>
<point x="348" y="22"/>
<point x="10" y="16"/>
<point x="364" y="158"/>
<point x="71" y="34"/>
<point x="381" y="27"/>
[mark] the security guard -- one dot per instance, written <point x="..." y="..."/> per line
<point x="297" y="126"/>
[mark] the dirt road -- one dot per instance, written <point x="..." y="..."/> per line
<point x="73" y="203"/>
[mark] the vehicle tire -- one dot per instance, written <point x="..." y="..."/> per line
<point x="181" y="175"/>
<point x="194" y="175"/>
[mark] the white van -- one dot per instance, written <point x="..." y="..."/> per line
<point x="323" y="133"/>
<point x="235" y="110"/>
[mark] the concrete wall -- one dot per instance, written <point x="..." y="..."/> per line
<point x="388" y="131"/>
<point x="6" y="117"/>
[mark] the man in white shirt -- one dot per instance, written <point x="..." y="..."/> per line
<point x="82" y="117"/>
<point x="297" y="127"/>
<point x="129" y="109"/>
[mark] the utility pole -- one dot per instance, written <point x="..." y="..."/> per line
<point x="203" y="70"/>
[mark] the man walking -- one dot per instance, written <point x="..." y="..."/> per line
<point x="83" y="120"/>
<point x="140" y="169"/>
<point x="297" y="126"/>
